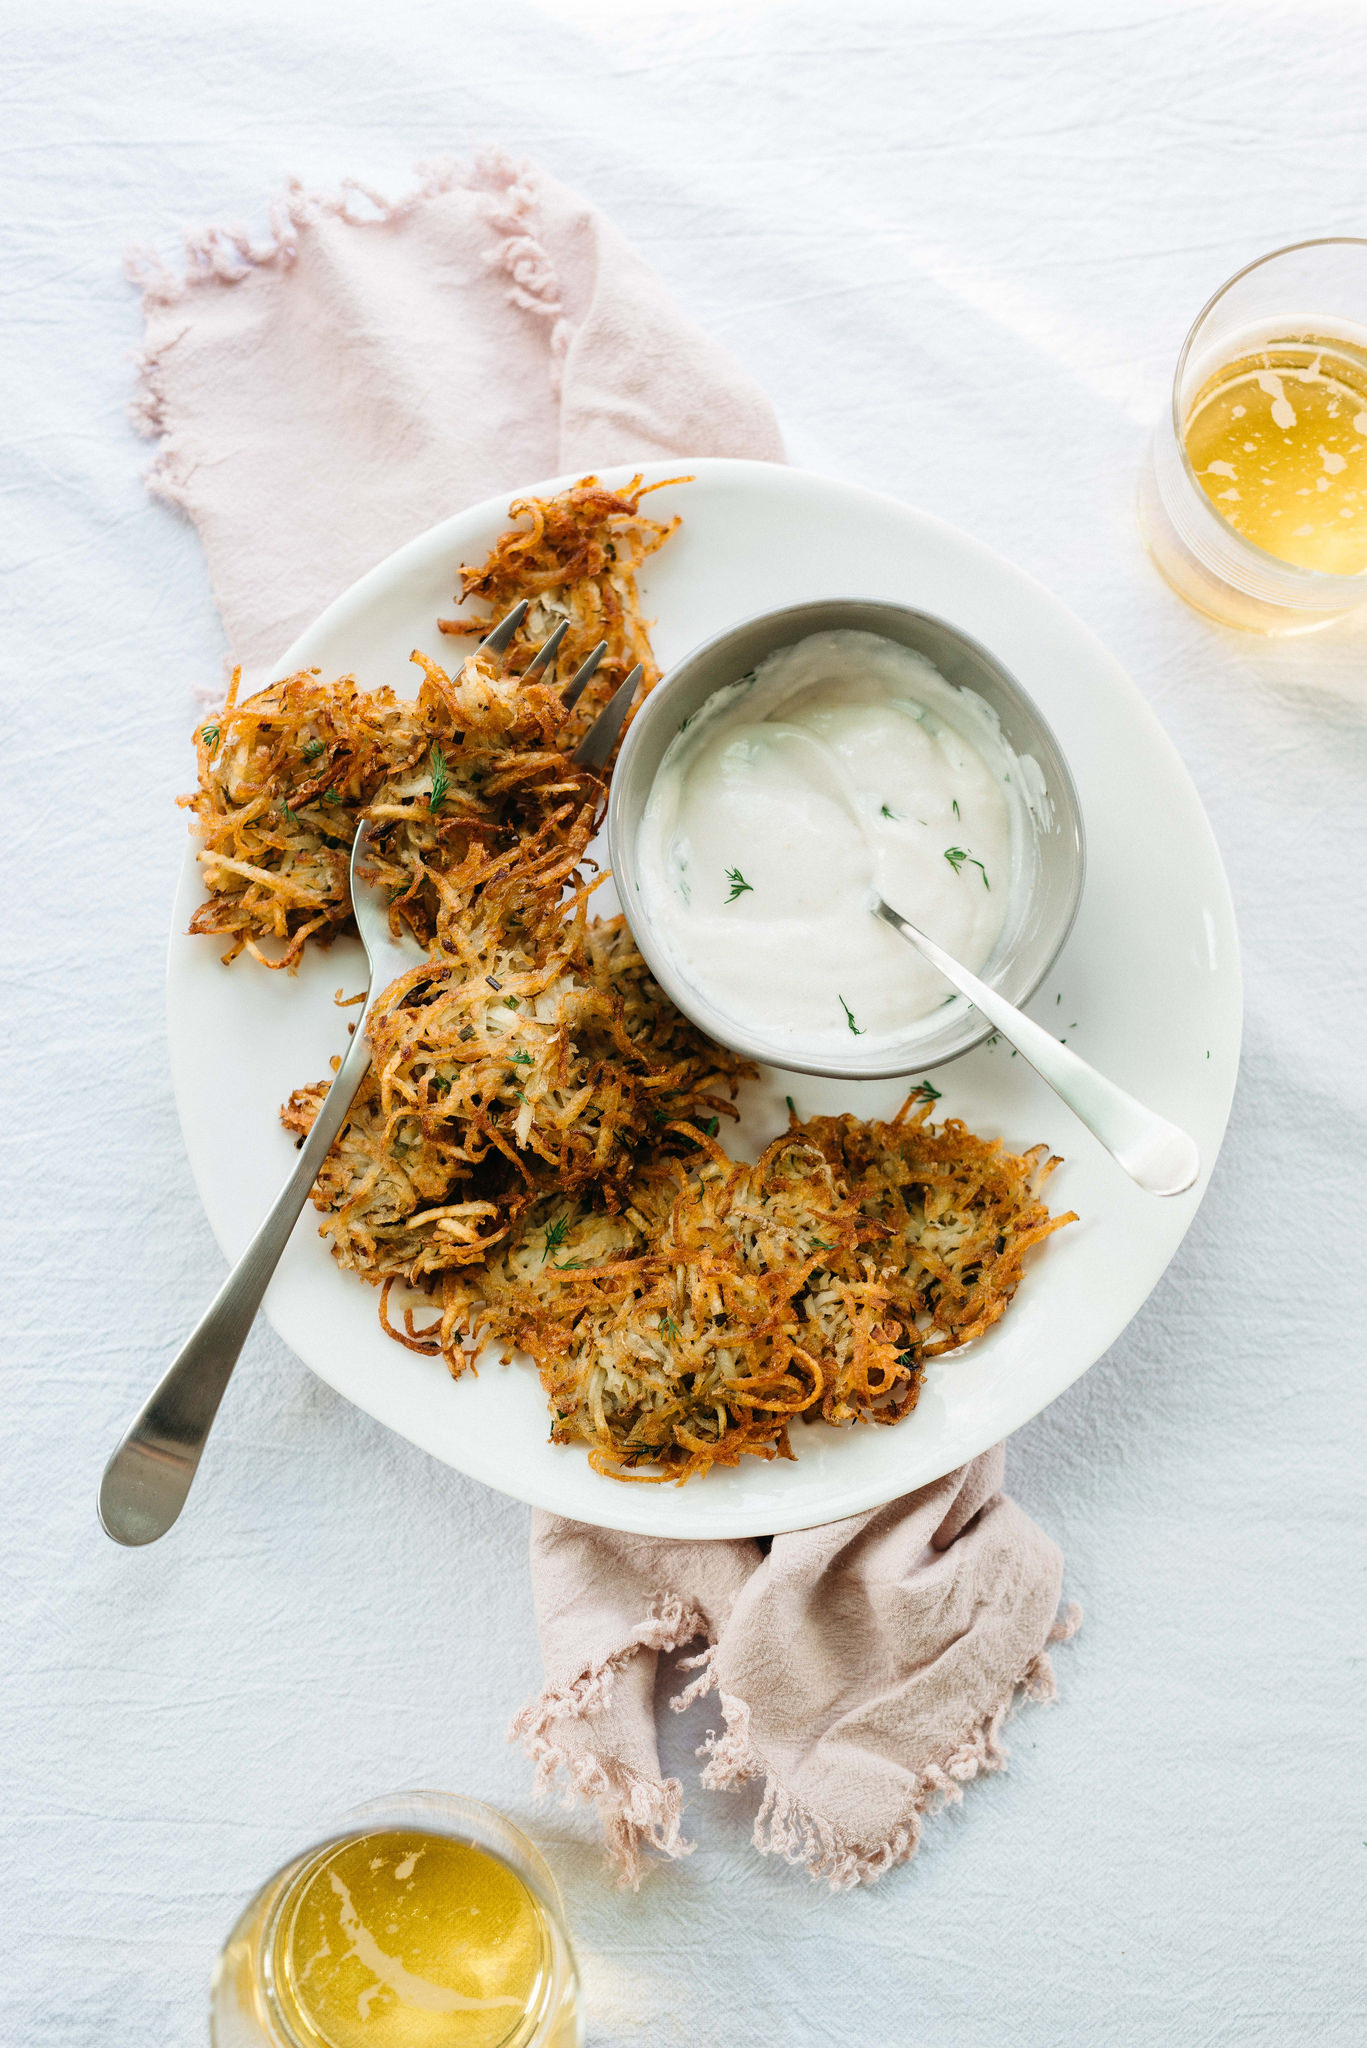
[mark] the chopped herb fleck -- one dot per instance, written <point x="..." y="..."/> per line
<point x="568" y="1265"/>
<point x="886" y="813"/>
<point x="510" y="1002"/>
<point x="822" y="1244"/>
<point x="739" y="885"/>
<point x="441" y="781"/>
<point x="711" y="1127"/>
<point x="792" y="1106"/>
<point x="312" y="749"/>
<point x="849" y="1017"/>
<point x="442" y="1082"/>
<point x="288" y="813"/>
<point x="330" y="796"/>
<point x="520" y="1058"/>
<point x="958" y="855"/>
<point x="954" y="805"/>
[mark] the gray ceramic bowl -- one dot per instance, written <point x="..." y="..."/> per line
<point x="1043" y="904"/>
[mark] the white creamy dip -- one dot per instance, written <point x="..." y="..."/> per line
<point x="845" y="765"/>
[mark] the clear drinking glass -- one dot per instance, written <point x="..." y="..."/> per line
<point x="1312" y="292"/>
<point x="350" y="1946"/>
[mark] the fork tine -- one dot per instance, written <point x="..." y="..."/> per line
<point x="497" y="641"/>
<point x="600" y="739"/>
<point x="545" y="655"/>
<point x="574" y="689"/>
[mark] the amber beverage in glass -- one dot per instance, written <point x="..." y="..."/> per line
<point x="420" y="1921"/>
<point x="1254" y="499"/>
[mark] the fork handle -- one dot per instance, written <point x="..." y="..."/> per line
<point x="147" y="1480"/>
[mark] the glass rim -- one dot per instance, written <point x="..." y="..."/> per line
<point x="421" y="1811"/>
<point x="1326" y="580"/>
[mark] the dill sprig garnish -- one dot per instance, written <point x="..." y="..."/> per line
<point x="857" y="1029"/>
<point x="556" y="1233"/>
<point x="926" y="1093"/>
<point x="520" y="1058"/>
<point x="312" y="749"/>
<point x="211" y="735"/>
<point x="957" y="856"/>
<point x="739" y="885"/>
<point x="441" y="781"/>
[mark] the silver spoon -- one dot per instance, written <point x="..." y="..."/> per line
<point x="1157" y="1155"/>
<point x="147" y="1480"/>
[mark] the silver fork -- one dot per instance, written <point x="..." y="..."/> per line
<point x="147" y="1480"/>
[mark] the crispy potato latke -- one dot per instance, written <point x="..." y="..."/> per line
<point x="725" y="1300"/>
<point x="464" y="776"/>
<point x="518" y="1069"/>
<point x="576" y="560"/>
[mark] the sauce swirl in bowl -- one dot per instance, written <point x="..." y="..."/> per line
<point x="788" y="772"/>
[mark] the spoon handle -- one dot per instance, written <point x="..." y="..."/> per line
<point x="147" y="1480"/>
<point x="1159" y="1156"/>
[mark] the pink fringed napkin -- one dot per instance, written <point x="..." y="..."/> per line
<point x="863" y="1670"/>
<point x="320" y="395"/>
<point x="323" y="393"/>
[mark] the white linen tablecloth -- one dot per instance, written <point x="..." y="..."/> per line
<point x="960" y="246"/>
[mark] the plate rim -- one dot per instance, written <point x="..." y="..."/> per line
<point x="617" y="1510"/>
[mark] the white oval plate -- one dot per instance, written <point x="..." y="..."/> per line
<point x="1147" y="987"/>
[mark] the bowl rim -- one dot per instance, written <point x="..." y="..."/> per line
<point x="620" y="833"/>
